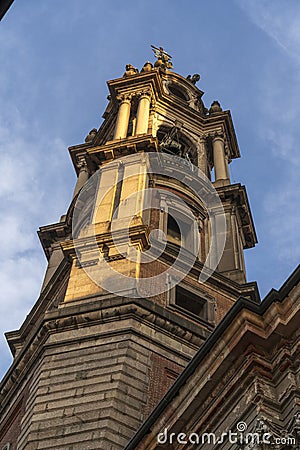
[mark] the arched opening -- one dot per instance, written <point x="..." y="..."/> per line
<point x="178" y="92"/>
<point x="173" y="230"/>
<point x="173" y="141"/>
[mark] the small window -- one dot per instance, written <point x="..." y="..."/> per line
<point x="194" y="302"/>
<point x="180" y="230"/>
<point x="190" y="302"/>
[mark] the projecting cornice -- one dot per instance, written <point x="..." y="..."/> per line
<point x="80" y="314"/>
<point x="237" y="194"/>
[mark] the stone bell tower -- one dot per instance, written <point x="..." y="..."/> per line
<point x="121" y="310"/>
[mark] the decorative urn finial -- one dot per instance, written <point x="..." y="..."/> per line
<point x="130" y="70"/>
<point x="147" y="67"/>
<point x="215" y="107"/>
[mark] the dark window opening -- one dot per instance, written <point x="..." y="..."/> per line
<point x="173" y="232"/>
<point x="131" y="126"/>
<point x="172" y="141"/>
<point x="132" y="118"/>
<point x="177" y="91"/>
<point x="118" y="191"/>
<point x="190" y="302"/>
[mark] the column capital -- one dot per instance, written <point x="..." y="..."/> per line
<point x="83" y="174"/>
<point x="145" y="93"/>
<point x="124" y="98"/>
<point x="217" y="136"/>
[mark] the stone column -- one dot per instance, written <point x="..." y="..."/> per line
<point x="123" y="117"/>
<point x="142" y="117"/>
<point x="83" y="176"/>
<point x="220" y="161"/>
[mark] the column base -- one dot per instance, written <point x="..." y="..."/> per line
<point x="222" y="182"/>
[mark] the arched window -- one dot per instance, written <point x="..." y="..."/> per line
<point x="173" y="141"/>
<point x="173" y="230"/>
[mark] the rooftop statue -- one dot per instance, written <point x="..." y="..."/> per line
<point x="193" y="79"/>
<point x="163" y="58"/>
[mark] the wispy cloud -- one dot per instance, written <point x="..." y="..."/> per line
<point x="283" y="219"/>
<point x="278" y="108"/>
<point x="280" y="21"/>
<point x="50" y="89"/>
<point x="25" y="178"/>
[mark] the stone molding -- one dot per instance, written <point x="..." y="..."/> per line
<point x="73" y="317"/>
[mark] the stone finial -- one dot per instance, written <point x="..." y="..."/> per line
<point x="130" y="70"/>
<point x="91" y="135"/>
<point x="147" y="67"/>
<point x="215" y="107"/>
<point x="193" y="79"/>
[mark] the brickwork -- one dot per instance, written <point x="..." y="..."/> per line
<point x="249" y="374"/>
<point x="222" y="296"/>
<point x="162" y="374"/>
<point x="10" y="432"/>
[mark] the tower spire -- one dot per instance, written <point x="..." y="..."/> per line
<point x="122" y="310"/>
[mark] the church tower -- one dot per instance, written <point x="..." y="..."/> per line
<point x="144" y="265"/>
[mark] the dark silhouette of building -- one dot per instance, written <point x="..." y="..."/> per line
<point x="4" y="7"/>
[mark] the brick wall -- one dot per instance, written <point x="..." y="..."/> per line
<point x="10" y="430"/>
<point x="162" y="374"/>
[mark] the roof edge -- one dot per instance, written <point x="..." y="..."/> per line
<point x="205" y="348"/>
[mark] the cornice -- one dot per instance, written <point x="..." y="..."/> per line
<point x="87" y="313"/>
<point x="237" y="194"/>
<point x="122" y="147"/>
<point x="53" y="233"/>
<point x="136" y="84"/>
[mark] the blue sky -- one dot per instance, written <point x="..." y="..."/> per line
<point x="55" y="58"/>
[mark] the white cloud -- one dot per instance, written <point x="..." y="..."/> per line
<point x="32" y="190"/>
<point x="34" y="186"/>
<point x="20" y="278"/>
<point x="278" y="107"/>
<point x="280" y="21"/>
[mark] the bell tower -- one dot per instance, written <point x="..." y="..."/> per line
<point x="147" y="260"/>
